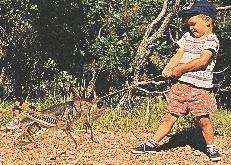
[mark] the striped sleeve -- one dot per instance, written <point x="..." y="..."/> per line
<point x="212" y="43"/>
<point x="182" y="41"/>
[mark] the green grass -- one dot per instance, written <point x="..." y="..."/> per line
<point x="146" y="116"/>
<point x="222" y="121"/>
<point x="5" y="112"/>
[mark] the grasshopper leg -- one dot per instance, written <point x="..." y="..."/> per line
<point x="68" y="132"/>
<point x="25" y="130"/>
<point x="88" y="125"/>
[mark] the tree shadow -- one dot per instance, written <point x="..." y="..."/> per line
<point x="191" y="136"/>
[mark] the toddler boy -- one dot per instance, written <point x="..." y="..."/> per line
<point x="192" y="66"/>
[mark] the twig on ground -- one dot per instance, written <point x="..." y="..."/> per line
<point x="58" y="155"/>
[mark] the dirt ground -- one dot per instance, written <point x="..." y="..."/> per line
<point x="110" y="148"/>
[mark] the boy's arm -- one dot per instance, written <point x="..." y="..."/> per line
<point x="174" y="61"/>
<point x="205" y="56"/>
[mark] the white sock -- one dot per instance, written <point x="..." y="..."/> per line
<point x="152" y="143"/>
<point x="210" y="146"/>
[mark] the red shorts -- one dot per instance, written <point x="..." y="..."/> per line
<point x="183" y="99"/>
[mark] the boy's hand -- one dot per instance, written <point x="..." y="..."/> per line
<point x="176" y="72"/>
<point x="166" y="73"/>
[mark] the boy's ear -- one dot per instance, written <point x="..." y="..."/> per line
<point x="208" y="20"/>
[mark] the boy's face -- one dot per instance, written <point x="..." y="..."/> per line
<point x="199" y="25"/>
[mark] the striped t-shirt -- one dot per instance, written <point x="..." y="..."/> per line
<point x="192" y="49"/>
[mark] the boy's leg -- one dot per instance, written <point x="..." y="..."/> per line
<point x="202" y="104"/>
<point x="208" y="133"/>
<point x="162" y="131"/>
<point x="176" y="108"/>
<point x="207" y="129"/>
<point x="165" y="127"/>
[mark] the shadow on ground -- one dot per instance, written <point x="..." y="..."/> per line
<point x="191" y="136"/>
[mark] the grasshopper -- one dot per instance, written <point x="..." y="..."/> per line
<point x="35" y="123"/>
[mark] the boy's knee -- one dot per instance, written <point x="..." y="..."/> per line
<point x="171" y="118"/>
<point x="204" y="120"/>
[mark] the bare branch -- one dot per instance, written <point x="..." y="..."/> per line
<point x="150" y="82"/>
<point x="225" y="90"/>
<point x="222" y="70"/>
<point x="161" y="30"/>
<point x="143" y="50"/>
<point x="170" y="35"/>
<point x="158" y="18"/>
<point x="223" y="8"/>
<point x="154" y="92"/>
<point x="133" y="86"/>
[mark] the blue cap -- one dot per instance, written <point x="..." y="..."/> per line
<point x="201" y="7"/>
